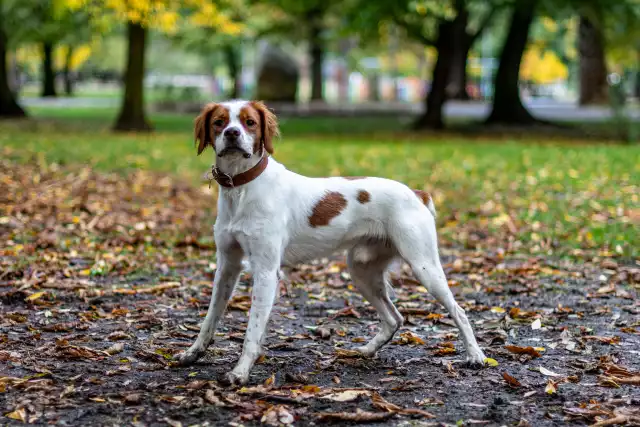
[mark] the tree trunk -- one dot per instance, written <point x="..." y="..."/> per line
<point x="461" y="44"/>
<point x="373" y="81"/>
<point x="132" y="116"/>
<point x="637" y="89"/>
<point x="593" y="68"/>
<point x="8" y="105"/>
<point x="68" y="79"/>
<point x="507" y="104"/>
<point x="48" y="74"/>
<point x="437" y="96"/>
<point x="457" y="87"/>
<point x="316" y="53"/>
<point x="232" y="57"/>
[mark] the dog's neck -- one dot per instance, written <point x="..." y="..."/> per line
<point x="234" y="163"/>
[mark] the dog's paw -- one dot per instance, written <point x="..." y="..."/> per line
<point x="190" y="356"/>
<point x="230" y="379"/>
<point x="475" y="359"/>
<point x="365" y="351"/>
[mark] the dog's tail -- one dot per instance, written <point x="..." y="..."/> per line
<point x="427" y="200"/>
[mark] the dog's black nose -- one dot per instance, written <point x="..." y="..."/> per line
<point x="232" y="133"/>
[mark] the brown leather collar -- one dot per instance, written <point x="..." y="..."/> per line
<point x="246" y="177"/>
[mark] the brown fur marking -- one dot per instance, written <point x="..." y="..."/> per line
<point x="327" y="208"/>
<point x="364" y="197"/>
<point x="247" y="113"/>
<point x="353" y="178"/>
<point x="423" y="195"/>
<point x="269" y="129"/>
<point x="204" y="128"/>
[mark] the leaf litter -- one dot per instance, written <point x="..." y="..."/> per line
<point x="105" y="278"/>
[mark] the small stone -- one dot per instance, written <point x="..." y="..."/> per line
<point x="132" y="399"/>
<point x="323" y="333"/>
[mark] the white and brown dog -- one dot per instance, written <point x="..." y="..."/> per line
<point x="276" y="217"/>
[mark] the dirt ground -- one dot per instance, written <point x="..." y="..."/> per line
<point x="93" y="311"/>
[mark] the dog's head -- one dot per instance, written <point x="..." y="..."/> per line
<point x="236" y="128"/>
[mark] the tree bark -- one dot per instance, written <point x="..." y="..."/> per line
<point x="132" y="116"/>
<point x="48" y="73"/>
<point x="316" y="53"/>
<point x="68" y="79"/>
<point x="232" y="57"/>
<point x="637" y="89"/>
<point x="8" y="105"/>
<point x="457" y="87"/>
<point x="461" y="44"/>
<point x="437" y="96"/>
<point x="507" y="104"/>
<point x="373" y="81"/>
<point x="593" y="68"/>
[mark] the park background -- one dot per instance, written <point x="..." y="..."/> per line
<point x="520" y="117"/>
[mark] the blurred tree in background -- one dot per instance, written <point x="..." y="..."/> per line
<point x="502" y="51"/>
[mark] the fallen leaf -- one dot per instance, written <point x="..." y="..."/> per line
<point x="409" y="337"/>
<point x="35" y="296"/>
<point x="537" y="324"/>
<point x="511" y="380"/>
<point x="359" y="416"/>
<point x="523" y="350"/>
<point x="19" y="414"/>
<point x="491" y="362"/>
<point x="551" y="387"/>
<point x="545" y="371"/>
<point x="346" y="395"/>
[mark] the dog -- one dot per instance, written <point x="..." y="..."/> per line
<point x="274" y="217"/>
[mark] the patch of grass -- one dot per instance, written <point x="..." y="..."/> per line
<point x="560" y="198"/>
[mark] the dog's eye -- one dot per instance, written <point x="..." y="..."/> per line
<point x="219" y="122"/>
<point x="251" y="122"/>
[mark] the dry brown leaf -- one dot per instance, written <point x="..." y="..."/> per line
<point x="359" y="416"/>
<point x="511" y="380"/>
<point x="523" y="350"/>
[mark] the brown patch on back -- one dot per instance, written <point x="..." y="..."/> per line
<point x="423" y="195"/>
<point x="364" y="197"/>
<point x="205" y="129"/>
<point x="353" y="178"/>
<point x="327" y="208"/>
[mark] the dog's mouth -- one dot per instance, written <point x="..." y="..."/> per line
<point x="234" y="149"/>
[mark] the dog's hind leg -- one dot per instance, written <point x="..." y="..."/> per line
<point x="416" y="240"/>
<point x="368" y="267"/>
<point x="226" y="277"/>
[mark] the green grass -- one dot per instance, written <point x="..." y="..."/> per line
<point x="563" y="196"/>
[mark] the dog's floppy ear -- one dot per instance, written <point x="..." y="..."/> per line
<point x="268" y="125"/>
<point x="202" y="127"/>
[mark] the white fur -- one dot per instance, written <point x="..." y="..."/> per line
<point x="267" y="221"/>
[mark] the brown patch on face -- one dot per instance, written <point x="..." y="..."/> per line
<point x="364" y="197"/>
<point x="268" y="124"/>
<point x="327" y="208"/>
<point x="353" y="178"/>
<point x="250" y="119"/>
<point x="211" y="121"/>
<point x="423" y="195"/>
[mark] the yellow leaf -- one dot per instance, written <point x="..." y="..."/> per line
<point x="86" y="272"/>
<point x="35" y="296"/>
<point x="18" y="414"/>
<point x="491" y="362"/>
<point x="269" y="381"/>
<point x="551" y="387"/>
<point x="498" y="310"/>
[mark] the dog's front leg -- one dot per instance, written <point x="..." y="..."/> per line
<point x="265" y="286"/>
<point x="229" y="268"/>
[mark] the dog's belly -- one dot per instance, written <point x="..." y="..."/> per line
<point x="297" y="253"/>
